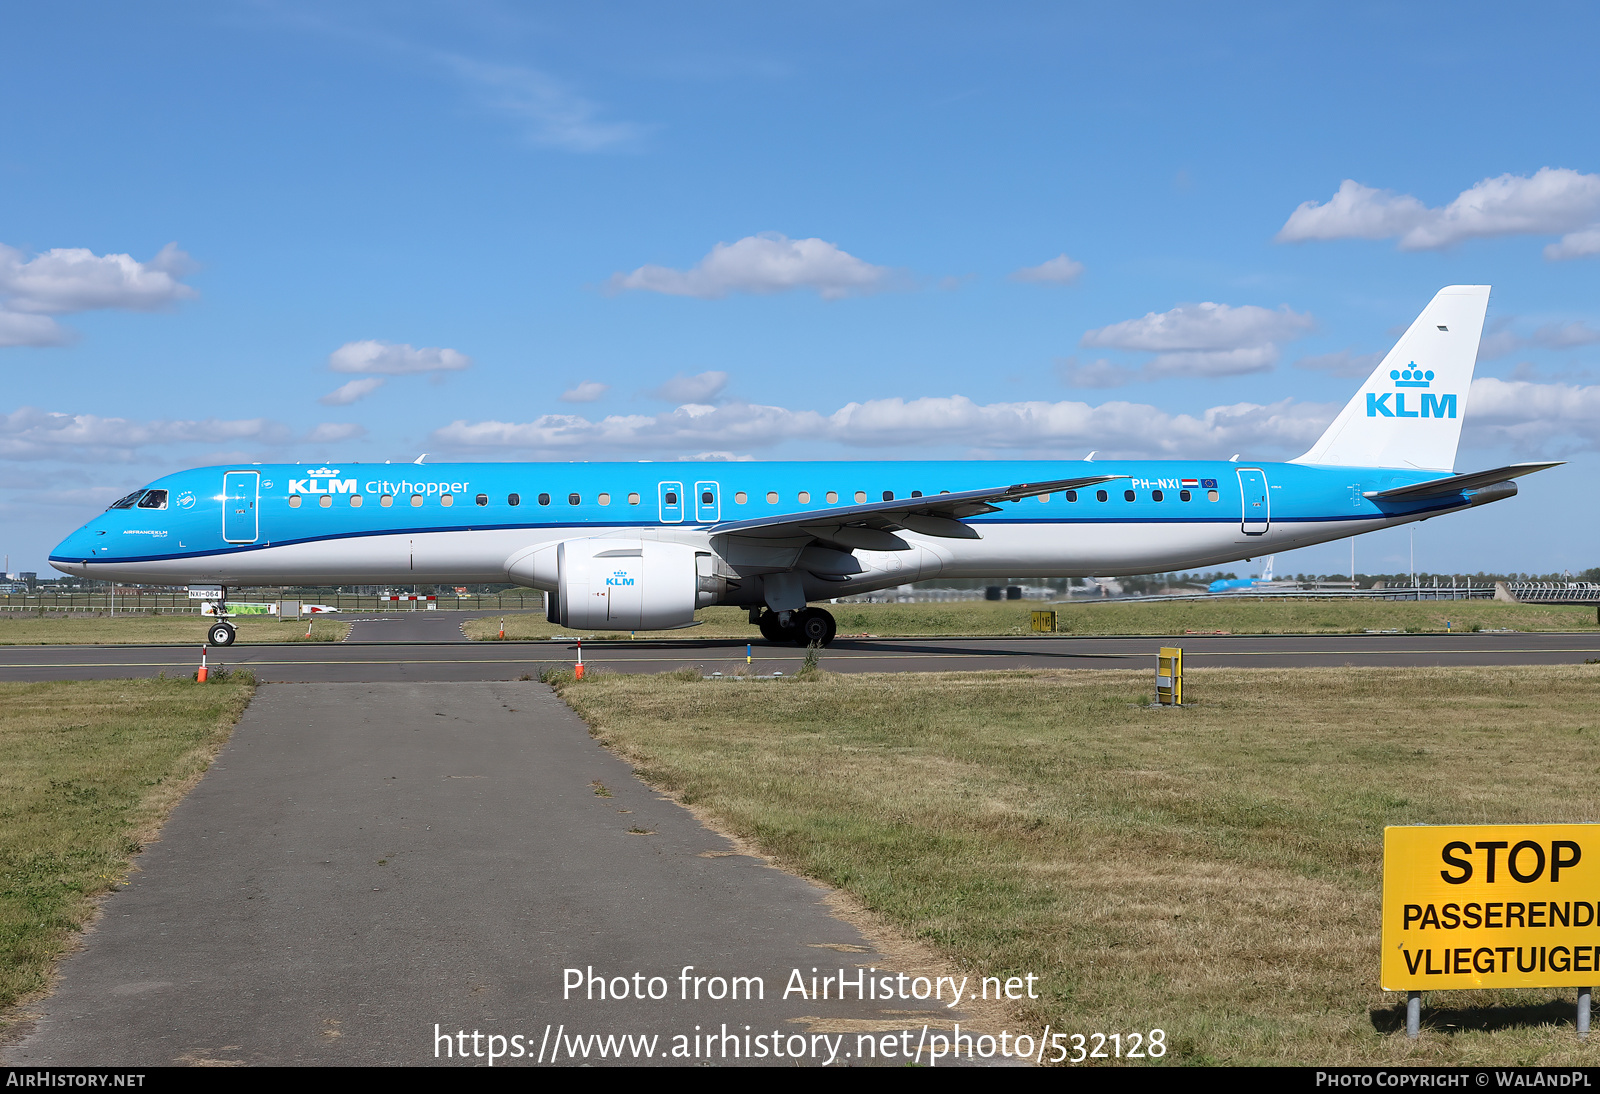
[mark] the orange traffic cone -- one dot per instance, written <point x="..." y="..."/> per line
<point x="502" y="628"/>
<point x="200" y="677"/>
<point x="308" y="628"/>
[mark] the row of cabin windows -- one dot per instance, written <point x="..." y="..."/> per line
<point x="671" y="498"/>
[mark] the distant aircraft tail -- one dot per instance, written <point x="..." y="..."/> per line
<point x="1408" y="413"/>
<point x="1266" y="570"/>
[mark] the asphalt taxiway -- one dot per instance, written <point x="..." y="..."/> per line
<point x="366" y="657"/>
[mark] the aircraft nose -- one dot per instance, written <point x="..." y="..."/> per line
<point x="72" y="554"/>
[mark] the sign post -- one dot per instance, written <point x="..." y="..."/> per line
<point x="1169" y="676"/>
<point x="1490" y="906"/>
<point x="1044" y="622"/>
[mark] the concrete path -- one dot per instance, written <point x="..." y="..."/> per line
<point x="365" y="862"/>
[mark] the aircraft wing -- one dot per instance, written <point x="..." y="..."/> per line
<point x="871" y="526"/>
<point x="1438" y="488"/>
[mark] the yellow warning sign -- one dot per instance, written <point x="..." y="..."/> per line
<point x="1491" y="906"/>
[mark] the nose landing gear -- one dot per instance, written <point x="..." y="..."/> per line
<point x="221" y="633"/>
<point x="811" y="625"/>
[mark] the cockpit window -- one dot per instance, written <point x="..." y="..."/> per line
<point x="154" y="499"/>
<point x="127" y="502"/>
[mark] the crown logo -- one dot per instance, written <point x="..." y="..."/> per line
<point x="1410" y="376"/>
<point x="322" y="473"/>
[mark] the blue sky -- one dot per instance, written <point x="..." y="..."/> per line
<point x="488" y="231"/>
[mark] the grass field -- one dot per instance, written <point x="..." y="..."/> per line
<point x="129" y="629"/>
<point x="90" y="771"/>
<point x="1212" y="871"/>
<point x="1230" y="616"/>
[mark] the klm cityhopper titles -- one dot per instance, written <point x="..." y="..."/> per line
<point x="641" y="546"/>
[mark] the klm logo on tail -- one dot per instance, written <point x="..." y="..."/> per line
<point x="1433" y="406"/>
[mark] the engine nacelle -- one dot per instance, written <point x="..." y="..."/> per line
<point x="626" y="584"/>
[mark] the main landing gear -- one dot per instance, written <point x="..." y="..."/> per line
<point x="806" y="627"/>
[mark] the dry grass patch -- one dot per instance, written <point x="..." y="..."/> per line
<point x="128" y="629"/>
<point x="91" y="770"/>
<point x="1213" y="871"/>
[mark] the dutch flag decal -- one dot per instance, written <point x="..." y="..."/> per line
<point x="1191" y="482"/>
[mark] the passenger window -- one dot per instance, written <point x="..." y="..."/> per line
<point x="387" y="500"/>
<point x="325" y="501"/>
<point x="740" y="498"/>
<point x="1183" y="495"/>
<point x="888" y="495"/>
<point x="355" y="501"/>
<point x="1211" y="495"/>
<point x="861" y="496"/>
<point x="1044" y="498"/>
<point x="706" y="498"/>
<point x="511" y="499"/>
<point x="833" y="497"/>
<point x="416" y="501"/>
<point x="155" y="499"/>
<point x="1127" y="495"/>
<point x="604" y="499"/>
<point x="633" y="499"/>
<point x="1072" y="495"/>
<point x="916" y="493"/>
<point x="482" y="499"/>
<point x="447" y="499"/>
<point x="772" y="497"/>
<point x="1100" y="495"/>
<point x="294" y="501"/>
<point x="1156" y="495"/>
<point x="573" y="499"/>
<point x="544" y="499"/>
<point x="805" y="497"/>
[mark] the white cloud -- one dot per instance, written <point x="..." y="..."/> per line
<point x="764" y="264"/>
<point x="1580" y="244"/>
<point x="552" y="114"/>
<point x="1205" y="339"/>
<point x="1566" y="335"/>
<point x="75" y="279"/>
<point x="29" y="433"/>
<point x="333" y="432"/>
<point x="1532" y="417"/>
<point x="1344" y="364"/>
<point x="345" y="394"/>
<point x="700" y="388"/>
<point x="17" y="329"/>
<point x="1097" y="374"/>
<point x="1114" y="428"/>
<point x="391" y="359"/>
<point x="1060" y="270"/>
<point x="1552" y="201"/>
<point x="586" y="392"/>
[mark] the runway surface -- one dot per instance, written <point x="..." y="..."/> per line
<point x="399" y="659"/>
<point x="365" y="862"/>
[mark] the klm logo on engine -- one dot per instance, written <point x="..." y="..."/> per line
<point x="314" y="485"/>
<point x="1433" y="406"/>
<point x="619" y="577"/>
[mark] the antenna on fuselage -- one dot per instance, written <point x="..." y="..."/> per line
<point x="420" y="458"/>
<point x="1231" y="459"/>
<point x="1090" y="457"/>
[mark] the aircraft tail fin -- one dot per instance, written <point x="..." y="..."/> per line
<point x="1408" y="413"/>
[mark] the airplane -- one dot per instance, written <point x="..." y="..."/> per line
<point x="1237" y="584"/>
<point x="642" y="546"/>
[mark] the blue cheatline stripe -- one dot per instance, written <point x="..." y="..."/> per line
<point x="578" y="530"/>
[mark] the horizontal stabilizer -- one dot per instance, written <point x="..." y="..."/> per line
<point x="1438" y="488"/>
